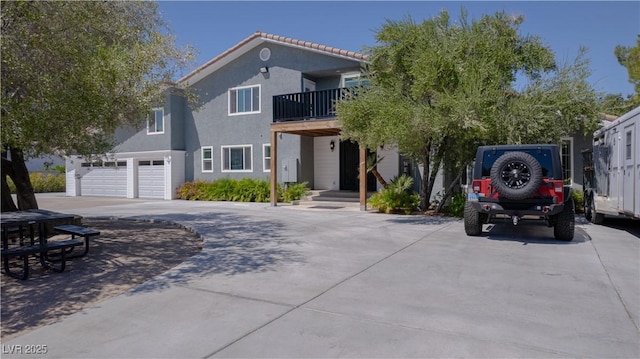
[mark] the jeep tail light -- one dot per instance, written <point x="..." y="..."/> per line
<point x="476" y="186"/>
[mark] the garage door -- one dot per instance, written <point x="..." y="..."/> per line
<point x="108" y="179"/>
<point x="151" y="179"/>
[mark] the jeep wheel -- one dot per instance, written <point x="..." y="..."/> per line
<point x="565" y="222"/>
<point x="516" y="175"/>
<point x="472" y="221"/>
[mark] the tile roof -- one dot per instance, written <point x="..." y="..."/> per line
<point x="311" y="45"/>
<point x="280" y="39"/>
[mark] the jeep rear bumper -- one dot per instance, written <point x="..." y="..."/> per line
<point x="532" y="210"/>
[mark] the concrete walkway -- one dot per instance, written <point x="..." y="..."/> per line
<point x="298" y="282"/>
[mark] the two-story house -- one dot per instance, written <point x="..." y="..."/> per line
<point x="266" y="110"/>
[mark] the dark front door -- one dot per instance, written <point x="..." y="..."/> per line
<point x="350" y="167"/>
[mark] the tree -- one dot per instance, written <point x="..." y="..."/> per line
<point x="73" y="72"/>
<point x="372" y="167"/>
<point x="615" y="104"/>
<point x="629" y="57"/>
<point x="439" y="89"/>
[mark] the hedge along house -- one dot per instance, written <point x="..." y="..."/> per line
<point x="266" y="111"/>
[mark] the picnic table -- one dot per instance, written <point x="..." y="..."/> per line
<point x="27" y="233"/>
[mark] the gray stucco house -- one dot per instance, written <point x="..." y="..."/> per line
<point x="266" y="111"/>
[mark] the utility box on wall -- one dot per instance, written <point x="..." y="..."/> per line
<point x="290" y="170"/>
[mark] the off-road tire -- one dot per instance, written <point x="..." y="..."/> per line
<point x="516" y="175"/>
<point x="565" y="222"/>
<point x="472" y="221"/>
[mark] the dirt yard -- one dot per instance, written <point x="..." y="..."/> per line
<point x="127" y="253"/>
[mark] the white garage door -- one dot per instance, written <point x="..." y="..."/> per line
<point x="151" y="179"/>
<point x="108" y="179"/>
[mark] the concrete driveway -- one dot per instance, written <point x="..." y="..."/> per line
<point x="288" y="281"/>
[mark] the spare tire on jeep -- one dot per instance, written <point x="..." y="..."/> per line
<point x="516" y="175"/>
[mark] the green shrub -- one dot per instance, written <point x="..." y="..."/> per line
<point x="397" y="197"/>
<point x="251" y="190"/>
<point x="192" y="190"/>
<point x="578" y="198"/>
<point x="293" y="192"/>
<point x="456" y="208"/>
<point x="43" y="183"/>
<point x="243" y="190"/>
<point x="221" y="190"/>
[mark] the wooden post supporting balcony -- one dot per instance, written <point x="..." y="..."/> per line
<point x="363" y="178"/>
<point x="274" y="168"/>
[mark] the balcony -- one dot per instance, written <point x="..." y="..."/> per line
<point x="302" y="106"/>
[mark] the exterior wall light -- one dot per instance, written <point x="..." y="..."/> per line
<point x="264" y="70"/>
<point x="332" y="145"/>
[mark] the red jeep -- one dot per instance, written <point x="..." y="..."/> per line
<point x="519" y="182"/>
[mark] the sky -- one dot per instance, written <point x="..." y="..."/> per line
<point x="212" y="27"/>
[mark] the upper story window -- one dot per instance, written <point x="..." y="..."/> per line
<point x="155" y="121"/>
<point x="244" y="100"/>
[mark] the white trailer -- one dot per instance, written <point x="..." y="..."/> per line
<point x="612" y="170"/>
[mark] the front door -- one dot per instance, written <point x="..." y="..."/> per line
<point x="350" y="168"/>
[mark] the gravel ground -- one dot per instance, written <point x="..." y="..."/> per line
<point x="125" y="254"/>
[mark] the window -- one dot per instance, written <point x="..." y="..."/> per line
<point x="236" y="158"/>
<point x="353" y="80"/>
<point x="266" y="158"/>
<point x="100" y="163"/>
<point x="544" y="158"/>
<point x="567" y="158"/>
<point x="151" y="163"/>
<point x="155" y="122"/>
<point x="628" y="144"/>
<point x="244" y="100"/>
<point x="207" y="159"/>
